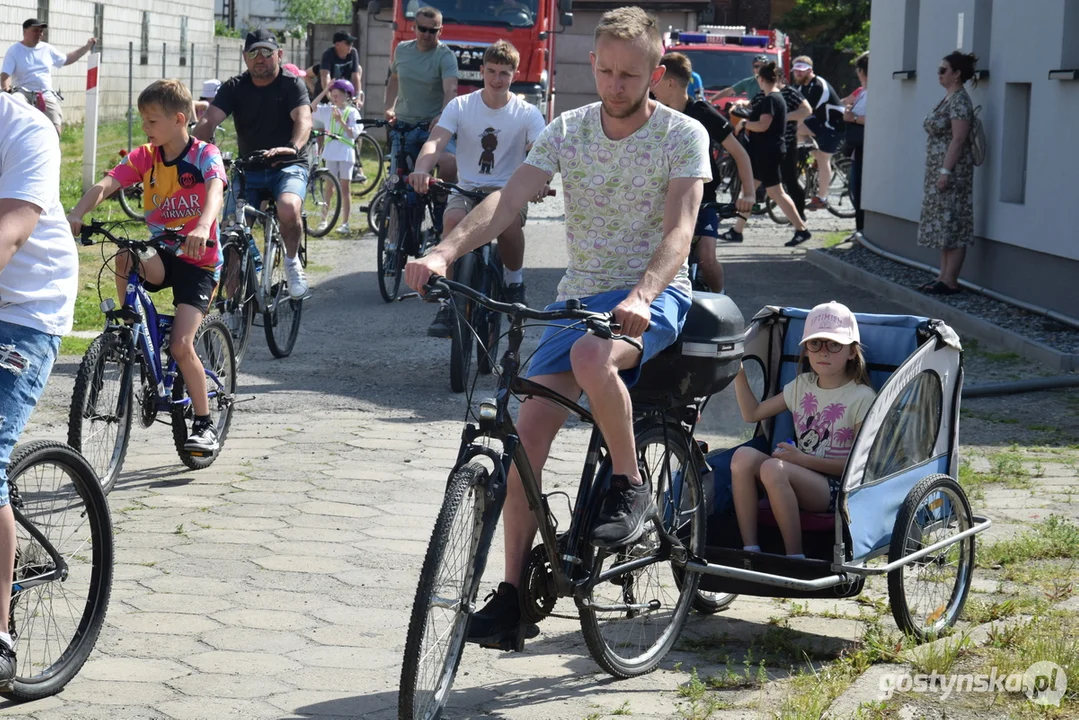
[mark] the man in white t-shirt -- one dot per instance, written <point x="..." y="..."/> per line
<point x="633" y="173"/>
<point x="28" y="65"/>
<point x="495" y="130"/>
<point x="39" y="270"/>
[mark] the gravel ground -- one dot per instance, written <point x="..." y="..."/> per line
<point x="1046" y="331"/>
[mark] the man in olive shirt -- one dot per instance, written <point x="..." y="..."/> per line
<point x="748" y="87"/>
<point x="423" y="81"/>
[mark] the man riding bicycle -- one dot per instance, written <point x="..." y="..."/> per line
<point x="423" y="81"/>
<point x="39" y="270"/>
<point x="272" y="113"/>
<point x="825" y="126"/>
<point x="27" y="69"/>
<point x="495" y="130"/>
<point x="632" y="172"/>
<point x="673" y="91"/>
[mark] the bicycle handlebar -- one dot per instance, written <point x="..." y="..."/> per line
<point x="726" y="211"/>
<point x="474" y="194"/>
<point x="600" y="324"/>
<point x="89" y="230"/>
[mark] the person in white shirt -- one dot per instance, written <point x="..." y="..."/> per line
<point x="39" y="270"/>
<point x="495" y="130"/>
<point x="340" y="120"/>
<point x="28" y="65"/>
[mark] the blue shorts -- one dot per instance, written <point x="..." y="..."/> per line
<point x="263" y="182"/>
<point x="828" y="139"/>
<point x="26" y="358"/>
<point x="414" y="140"/>
<point x="707" y="223"/>
<point x="669" y="312"/>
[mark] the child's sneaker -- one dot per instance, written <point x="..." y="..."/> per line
<point x="344" y="230"/>
<point x="203" y="437"/>
<point x="8" y="665"/>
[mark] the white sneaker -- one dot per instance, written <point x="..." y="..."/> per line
<point x="344" y="230"/>
<point x="297" y="281"/>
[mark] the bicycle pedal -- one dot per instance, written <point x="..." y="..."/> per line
<point x="200" y="453"/>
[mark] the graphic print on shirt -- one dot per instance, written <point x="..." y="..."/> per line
<point x="489" y="143"/>
<point x="814" y="428"/>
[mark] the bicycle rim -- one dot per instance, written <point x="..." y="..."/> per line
<point x="390" y="258"/>
<point x="374" y="211"/>
<point x="56" y="624"/>
<point x="99" y="420"/>
<point x="131" y="201"/>
<point x="446" y="591"/>
<point x="840" y="203"/>
<point x="213" y="345"/>
<point x="630" y="641"/>
<point x="322" y="205"/>
<point x="281" y="321"/>
<point x="235" y="302"/>
<point x="369" y="158"/>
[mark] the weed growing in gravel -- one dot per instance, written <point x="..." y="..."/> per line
<point x="701" y="702"/>
<point x="1054" y="538"/>
<point x="623" y="709"/>
<point x="940" y="656"/>
<point x="1052" y="637"/>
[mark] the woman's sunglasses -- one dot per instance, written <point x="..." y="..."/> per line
<point x="816" y="345"/>
<point x="259" y="52"/>
<point x="942" y="70"/>
<point x="428" y="30"/>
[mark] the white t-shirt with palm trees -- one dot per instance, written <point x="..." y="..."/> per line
<point x="825" y="420"/>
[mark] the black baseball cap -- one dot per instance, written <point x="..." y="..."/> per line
<point x="260" y="38"/>
<point x="761" y="59"/>
<point x="341" y="36"/>
<point x="34" y="22"/>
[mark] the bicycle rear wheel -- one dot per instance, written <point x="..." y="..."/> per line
<point x="322" y="204"/>
<point x="391" y="248"/>
<point x="464" y="271"/>
<point x="840" y="203"/>
<point x="281" y="321"/>
<point x="61" y="515"/>
<point x="374" y="211"/>
<point x="632" y="620"/>
<point x="99" y="420"/>
<point x="448" y="584"/>
<point x="370" y="164"/>
<point x="213" y="345"/>
<point x="131" y="201"/>
<point x="235" y="296"/>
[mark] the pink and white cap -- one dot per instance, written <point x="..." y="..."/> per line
<point x="831" y="321"/>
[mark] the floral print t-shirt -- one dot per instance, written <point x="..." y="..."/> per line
<point x="615" y="193"/>
<point x="825" y="420"/>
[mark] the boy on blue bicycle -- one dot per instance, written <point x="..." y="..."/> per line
<point x="184" y="181"/>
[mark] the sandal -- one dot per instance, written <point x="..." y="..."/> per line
<point x="924" y="287"/>
<point x="939" y="288"/>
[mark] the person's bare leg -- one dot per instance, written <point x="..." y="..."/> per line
<point x="745" y="466"/>
<point x="954" y="260"/>
<point x="447" y="167"/>
<point x="710" y="269"/>
<point x="596" y="363"/>
<point x="538" y="423"/>
<point x="450" y="220"/>
<point x="289" y="215"/>
<point x="786" y="205"/>
<point x="511" y="247"/>
<point x="151" y="270"/>
<point x="784" y="504"/>
<point x="182" y="346"/>
<point x="824" y="173"/>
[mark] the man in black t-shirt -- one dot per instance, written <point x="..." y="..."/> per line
<point x="673" y="91"/>
<point x="825" y="125"/>
<point x="341" y="62"/>
<point x="272" y="112"/>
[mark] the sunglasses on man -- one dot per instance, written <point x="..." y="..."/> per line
<point x="428" y="30"/>
<point x="259" y="52"/>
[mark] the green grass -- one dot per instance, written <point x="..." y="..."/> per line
<point x="1055" y="538"/>
<point x="835" y="238"/>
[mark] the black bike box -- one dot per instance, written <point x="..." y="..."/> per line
<point x="703" y="360"/>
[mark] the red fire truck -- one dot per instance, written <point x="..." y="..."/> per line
<point x="470" y="26"/>
<point x="723" y="55"/>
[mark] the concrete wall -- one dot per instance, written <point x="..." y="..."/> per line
<point x="71" y="22"/>
<point x="1024" y="189"/>
<point x="254" y="13"/>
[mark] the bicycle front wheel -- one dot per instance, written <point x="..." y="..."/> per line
<point x="322" y="204"/>
<point x="99" y="420"/>
<point x="213" y="345"/>
<point x="367" y="172"/>
<point x="62" y="525"/>
<point x="465" y="271"/>
<point x="281" y="321"/>
<point x="632" y="620"/>
<point x="235" y="299"/>
<point x="391" y="248"/>
<point x="448" y="584"/>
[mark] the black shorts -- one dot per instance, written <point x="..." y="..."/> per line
<point x="190" y="285"/>
<point x="766" y="162"/>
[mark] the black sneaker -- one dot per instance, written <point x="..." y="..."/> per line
<point x="499" y="621"/>
<point x="440" y="327"/>
<point x="799" y="237"/>
<point x="203" y="437"/>
<point x="731" y="236"/>
<point x="514" y="293"/>
<point x="626" y="508"/>
<point x="8" y="665"/>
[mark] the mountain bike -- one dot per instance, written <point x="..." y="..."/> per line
<point x="254" y="283"/>
<point x="632" y="601"/>
<point x="63" y="566"/>
<point x="136" y="336"/>
<point x="839" y="199"/>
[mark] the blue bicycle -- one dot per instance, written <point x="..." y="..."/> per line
<point x="103" y="403"/>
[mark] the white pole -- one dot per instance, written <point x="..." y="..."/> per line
<point x="89" y="126"/>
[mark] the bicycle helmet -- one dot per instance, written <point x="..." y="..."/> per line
<point x="344" y="86"/>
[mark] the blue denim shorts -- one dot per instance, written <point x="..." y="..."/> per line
<point x="261" y="183"/>
<point x="414" y="140"/>
<point x="669" y="312"/>
<point x="26" y="358"/>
